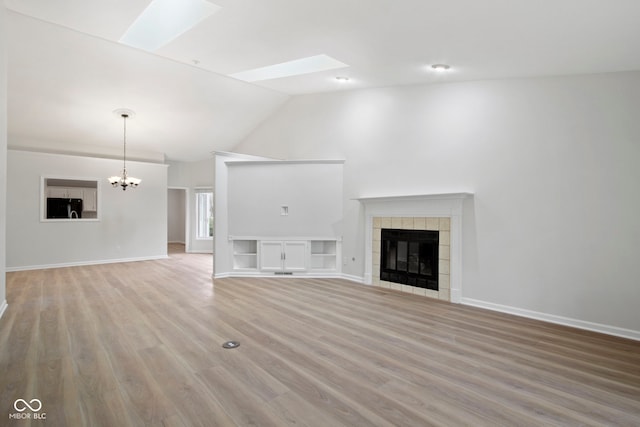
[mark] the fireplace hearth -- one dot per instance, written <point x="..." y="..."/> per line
<point x="410" y="257"/>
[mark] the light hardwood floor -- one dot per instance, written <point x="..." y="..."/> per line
<point x="140" y="344"/>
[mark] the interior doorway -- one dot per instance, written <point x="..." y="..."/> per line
<point x="177" y="224"/>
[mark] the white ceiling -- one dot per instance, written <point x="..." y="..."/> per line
<point x="67" y="72"/>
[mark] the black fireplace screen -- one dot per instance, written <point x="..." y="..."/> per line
<point x="410" y="257"/>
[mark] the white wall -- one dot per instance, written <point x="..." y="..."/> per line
<point x="553" y="162"/>
<point x="3" y="154"/>
<point x="312" y="192"/>
<point x="133" y="223"/>
<point x="176" y="215"/>
<point x="221" y="255"/>
<point x="193" y="175"/>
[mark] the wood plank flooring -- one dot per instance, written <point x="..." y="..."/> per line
<point x="139" y="344"/>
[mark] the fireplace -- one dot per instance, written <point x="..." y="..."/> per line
<point x="409" y="257"/>
<point x="420" y="247"/>
<point x="439" y="213"/>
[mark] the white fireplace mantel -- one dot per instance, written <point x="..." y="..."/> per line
<point x="435" y="196"/>
<point x="448" y="205"/>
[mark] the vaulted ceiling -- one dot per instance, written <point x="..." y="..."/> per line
<point x="68" y="72"/>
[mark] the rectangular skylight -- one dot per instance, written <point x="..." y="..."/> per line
<point x="296" y="67"/>
<point x="164" y="20"/>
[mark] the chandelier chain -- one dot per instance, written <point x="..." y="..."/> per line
<point x="124" y="156"/>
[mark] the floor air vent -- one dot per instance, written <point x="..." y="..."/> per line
<point x="283" y="273"/>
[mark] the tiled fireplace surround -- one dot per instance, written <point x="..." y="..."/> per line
<point x="439" y="212"/>
<point x="442" y="225"/>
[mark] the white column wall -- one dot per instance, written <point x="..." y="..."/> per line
<point x="222" y="263"/>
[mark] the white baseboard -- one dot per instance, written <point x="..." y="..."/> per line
<point x="552" y="318"/>
<point x="81" y="263"/>
<point x="3" y="307"/>
<point x="353" y="278"/>
<point x="306" y="275"/>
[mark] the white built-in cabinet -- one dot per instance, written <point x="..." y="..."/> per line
<point x="65" y="192"/>
<point x="89" y="196"/>
<point x="90" y="199"/>
<point x="283" y="255"/>
<point x="290" y="256"/>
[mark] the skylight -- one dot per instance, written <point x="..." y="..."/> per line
<point x="164" y="20"/>
<point x="296" y="67"/>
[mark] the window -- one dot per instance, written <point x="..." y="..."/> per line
<point x="68" y="199"/>
<point x="204" y="214"/>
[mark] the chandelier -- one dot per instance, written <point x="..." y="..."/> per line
<point x="124" y="180"/>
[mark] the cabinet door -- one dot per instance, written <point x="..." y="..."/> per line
<point x="57" y="192"/>
<point x="295" y="256"/>
<point x="89" y="199"/>
<point x="74" y="193"/>
<point x="271" y="256"/>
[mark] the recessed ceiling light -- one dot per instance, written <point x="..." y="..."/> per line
<point x="440" y="67"/>
<point x="342" y="79"/>
<point x="296" y="67"/>
<point x="164" y="20"/>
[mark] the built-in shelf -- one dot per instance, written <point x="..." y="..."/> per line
<point x="245" y="254"/>
<point x="323" y="255"/>
<point x="263" y="255"/>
